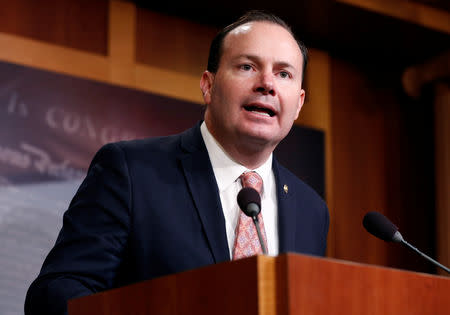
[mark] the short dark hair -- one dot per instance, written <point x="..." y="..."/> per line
<point x="215" y="50"/>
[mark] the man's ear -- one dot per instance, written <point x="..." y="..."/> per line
<point x="300" y="102"/>
<point x="206" y="83"/>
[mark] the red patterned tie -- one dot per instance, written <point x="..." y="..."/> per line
<point x="247" y="243"/>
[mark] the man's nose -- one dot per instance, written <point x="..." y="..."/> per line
<point x="265" y="84"/>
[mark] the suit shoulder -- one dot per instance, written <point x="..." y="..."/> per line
<point x="154" y="144"/>
<point x="149" y="150"/>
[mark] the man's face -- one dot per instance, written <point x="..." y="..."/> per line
<point x="255" y="95"/>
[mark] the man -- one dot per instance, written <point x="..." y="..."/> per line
<point x="152" y="207"/>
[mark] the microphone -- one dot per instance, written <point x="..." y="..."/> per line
<point x="378" y="225"/>
<point x="249" y="201"/>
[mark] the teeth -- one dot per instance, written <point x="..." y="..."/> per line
<point x="261" y="113"/>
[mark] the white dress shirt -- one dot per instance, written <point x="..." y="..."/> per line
<point x="227" y="172"/>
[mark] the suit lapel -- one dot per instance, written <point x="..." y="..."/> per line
<point x="203" y="187"/>
<point x="286" y="210"/>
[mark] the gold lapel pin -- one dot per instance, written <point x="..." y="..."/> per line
<point x="285" y="188"/>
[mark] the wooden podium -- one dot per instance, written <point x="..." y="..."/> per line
<point x="288" y="284"/>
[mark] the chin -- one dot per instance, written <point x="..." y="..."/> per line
<point x="261" y="137"/>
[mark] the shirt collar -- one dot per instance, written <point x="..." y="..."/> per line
<point x="226" y="170"/>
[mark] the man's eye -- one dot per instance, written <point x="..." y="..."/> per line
<point x="246" y="67"/>
<point x="284" y="74"/>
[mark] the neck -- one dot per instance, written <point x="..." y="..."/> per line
<point x="247" y="156"/>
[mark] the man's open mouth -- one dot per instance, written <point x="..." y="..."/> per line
<point x="260" y="110"/>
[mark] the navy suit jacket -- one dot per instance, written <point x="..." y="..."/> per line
<point x="149" y="208"/>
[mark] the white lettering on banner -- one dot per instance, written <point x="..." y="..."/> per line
<point x="38" y="160"/>
<point x="73" y="123"/>
<point x="15" y="107"/>
<point x="50" y="117"/>
<point x="14" y="158"/>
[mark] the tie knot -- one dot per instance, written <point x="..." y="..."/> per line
<point x="253" y="180"/>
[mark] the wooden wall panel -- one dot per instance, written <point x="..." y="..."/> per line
<point x="382" y="161"/>
<point x="172" y="43"/>
<point x="78" y="24"/>
<point x="358" y="166"/>
<point x="411" y="11"/>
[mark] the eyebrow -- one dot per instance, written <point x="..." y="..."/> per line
<point x="283" y="64"/>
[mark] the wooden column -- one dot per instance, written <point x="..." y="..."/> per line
<point x="316" y="113"/>
<point x="122" y="42"/>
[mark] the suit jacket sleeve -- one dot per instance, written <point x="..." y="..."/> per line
<point x="92" y="241"/>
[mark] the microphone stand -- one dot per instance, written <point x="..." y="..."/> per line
<point x="424" y="256"/>
<point x="258" y="230"/>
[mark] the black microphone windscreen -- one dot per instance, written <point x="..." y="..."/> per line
<point x="379" y="226"/>
<point x="247" y="196"/>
